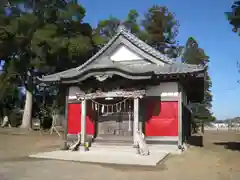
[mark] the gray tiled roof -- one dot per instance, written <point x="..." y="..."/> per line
<point x="175" y="68"/>
<point x="136" y="41"/>
<point x="145" y="47"/>
<point x="170" y="66"/>
<point x="144" y="70"/>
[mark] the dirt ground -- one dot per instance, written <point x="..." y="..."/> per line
<point x="219" y="159"/>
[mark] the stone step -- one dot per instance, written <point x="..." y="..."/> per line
<point x="113" y="148"/>
<point x="114" y="140"/>
<point x="114" y="143"/>
<point x="114" y="137"/>
<point x="109" y="141"/>
<point x="129" y="148"/>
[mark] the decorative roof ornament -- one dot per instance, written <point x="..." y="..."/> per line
<point x="102" y="78"/>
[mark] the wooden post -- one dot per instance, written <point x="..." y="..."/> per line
<point x="140" y="126"/>
<point x="83" y="121"/>
<point x="136" y="119"/>
<point x="64" y="145"/>
<point x="180" y="134"/>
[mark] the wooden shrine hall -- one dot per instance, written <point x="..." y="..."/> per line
<point x="126" y="87"/>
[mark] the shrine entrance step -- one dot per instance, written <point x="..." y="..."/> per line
<point x="113" y="140"/>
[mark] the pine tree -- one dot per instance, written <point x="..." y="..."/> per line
<point x="193" y="54"/>
<point x="161" y="29"/>
<point x="158" y="28"/>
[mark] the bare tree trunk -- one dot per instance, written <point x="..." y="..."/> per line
<point x="27" y="114"/>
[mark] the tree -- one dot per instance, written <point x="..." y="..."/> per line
<point x="132" y="22"/>
<point x="193" y="54"/>
<point x="158" y="28"/>
<point x="44" y="37"/>
<point x="8" y="95"/>
<point x="107" y="28"/>
<point x="234" y="16"/>
<point x="234" y="19"/>
<point x="161" y="30"/>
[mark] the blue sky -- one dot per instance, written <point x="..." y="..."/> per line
<point x="205" y="21"/>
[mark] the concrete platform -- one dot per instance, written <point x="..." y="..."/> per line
<point x="105" y="156"/>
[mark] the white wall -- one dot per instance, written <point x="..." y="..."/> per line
<point x="184" y="95"/>
<point x="73" y="90"/>
<point x="163" y="89"/>
<point x="127" y="57"/>
<point x="124" y="54"/>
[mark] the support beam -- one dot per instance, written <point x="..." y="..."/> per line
<point x="136" y="119"/>
<point x="64" y="145"/>
<point x="140" y="126"/>
<point x="180" y="133"/>
<point x="83" y="120"/>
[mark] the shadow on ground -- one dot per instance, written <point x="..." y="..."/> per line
<point x="19" y="159"/>
<point x="196" y="140"/>
<point x="234" y="146"/>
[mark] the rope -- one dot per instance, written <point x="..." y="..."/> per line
<point x="109" y="108"/>
<point x="115" y="104"/>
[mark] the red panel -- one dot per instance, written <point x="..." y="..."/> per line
<point x="90" y="128"/>
<point x="162" y="119"/>
<point x="74" y="116"/>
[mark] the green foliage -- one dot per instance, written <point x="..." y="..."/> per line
<point x="234" y="16"/>
<point x="15" y="118"/>
<point x="158" y="28"/>
<point x="193" y="54"/>
<point x="8" y="95"/>
<point x="44" y="37"/>
<point x="234" y="19"/>
<point x="105" y="30"/>
<point x="162" y="28"/>
<point x="132" y="22"/>
<point x="50" y="29"/>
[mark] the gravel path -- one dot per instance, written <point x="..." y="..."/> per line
<point x="213" y="161"/>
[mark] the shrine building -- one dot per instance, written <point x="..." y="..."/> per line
<point x="126" y="87"/>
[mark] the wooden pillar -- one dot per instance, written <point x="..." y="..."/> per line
<point x="141" y="126"/>
<point x="83" y="120"/>
<point x="64" y="145"/>
<point x="180" y="133"/>
<point x="136" y="119"/>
